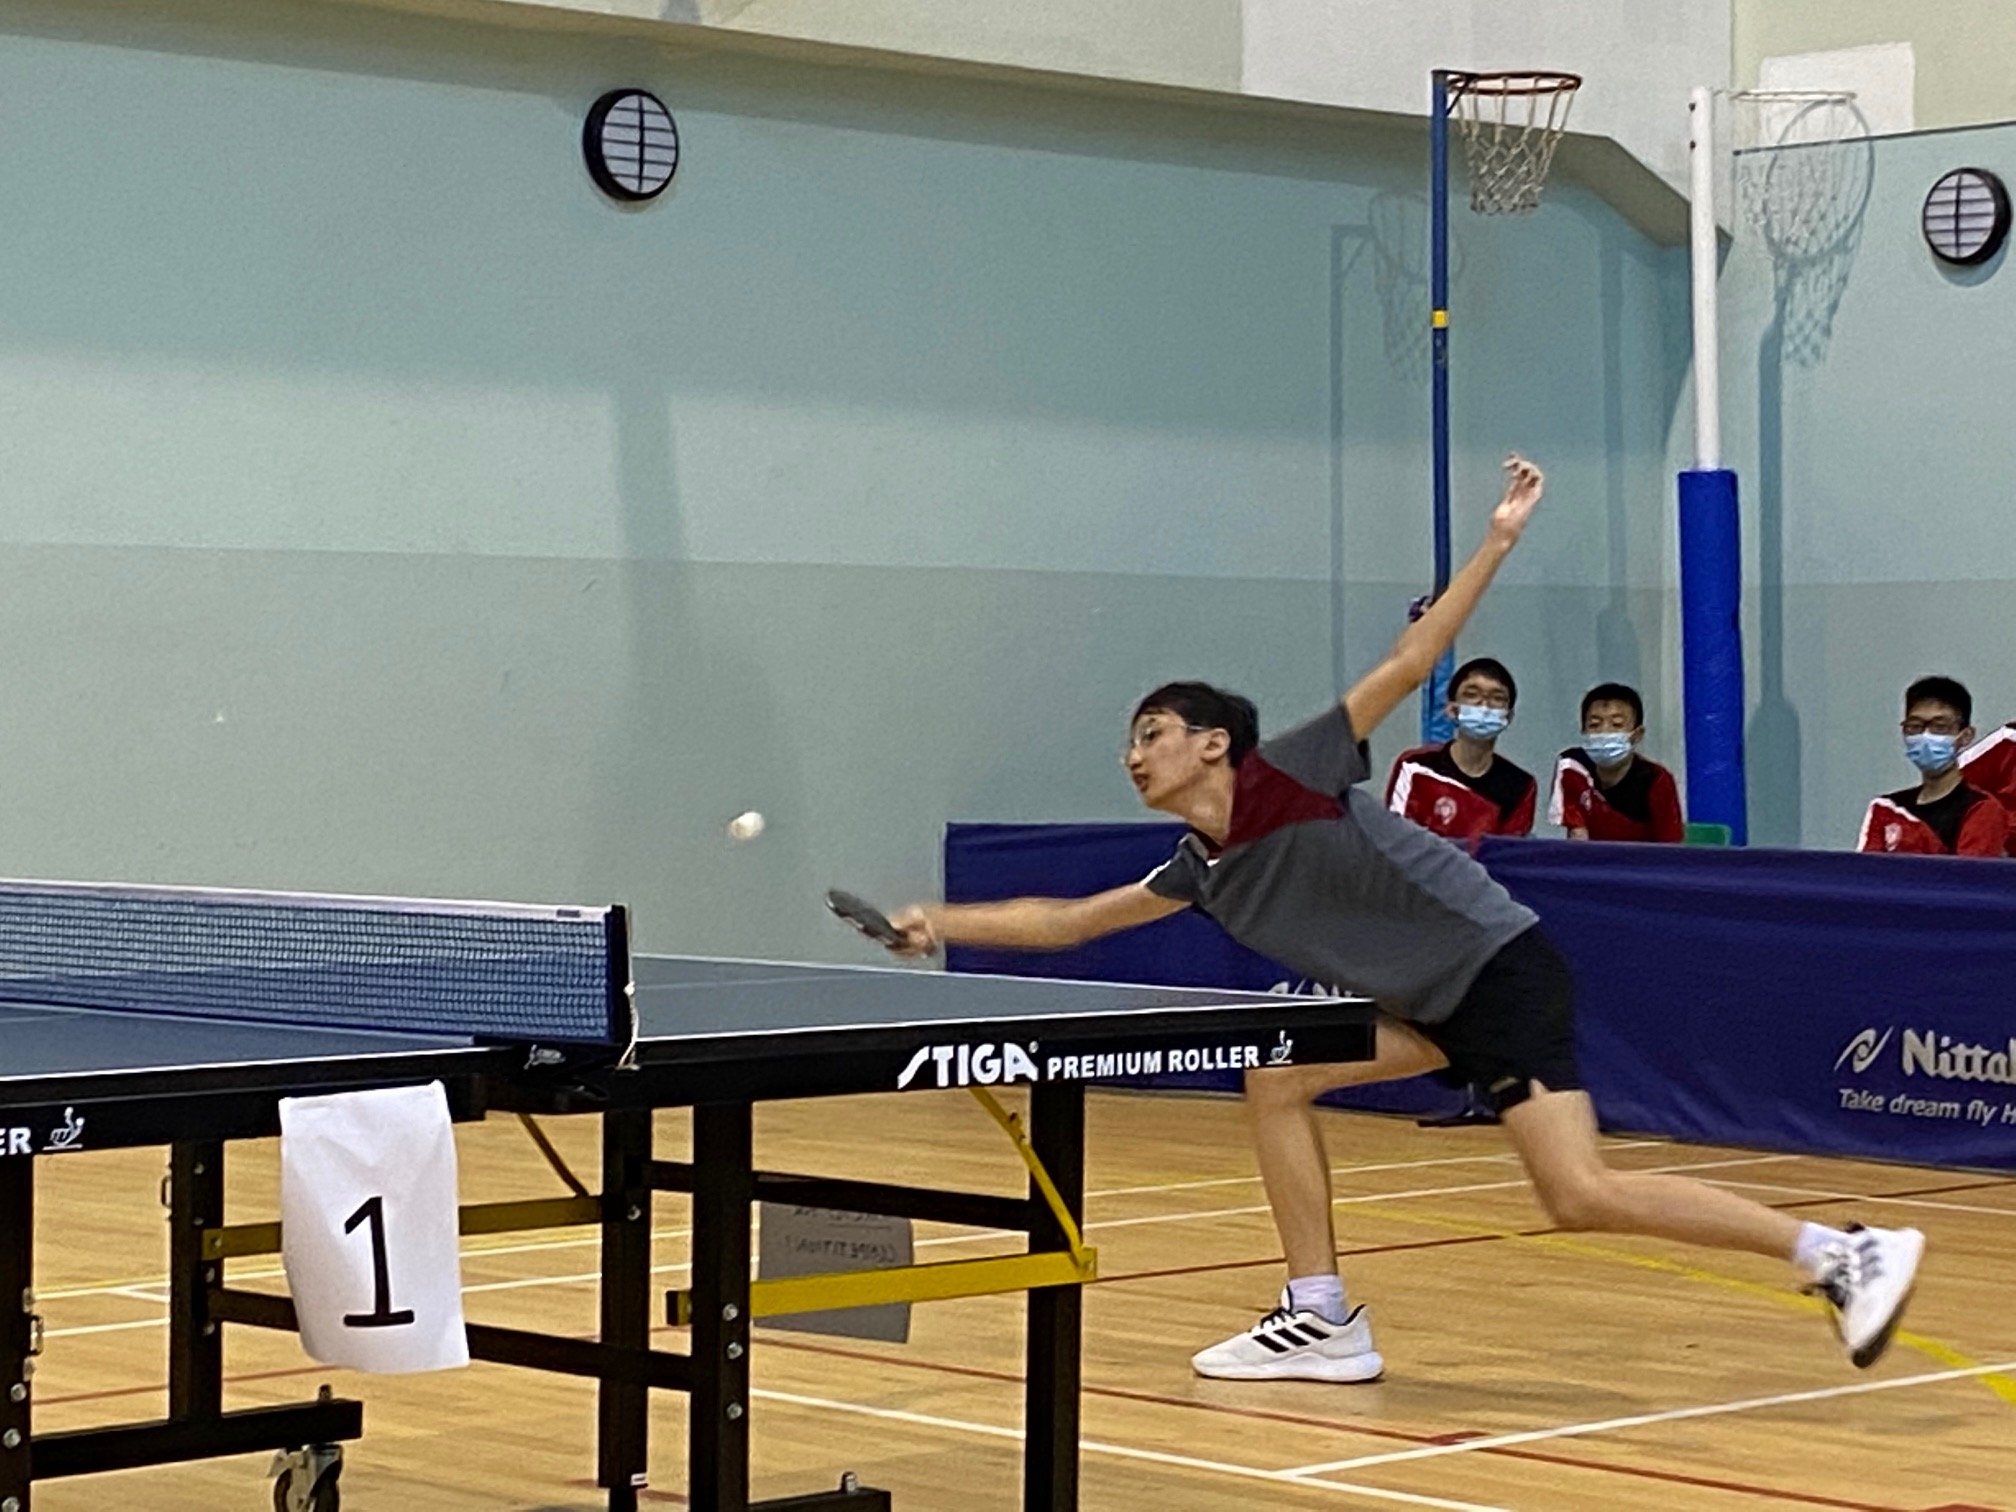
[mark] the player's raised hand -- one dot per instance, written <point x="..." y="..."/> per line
<point x="919" y="937"/>
<point x="1524" y="484"/>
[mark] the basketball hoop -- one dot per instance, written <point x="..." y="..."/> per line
<point x="1510" y="123"/>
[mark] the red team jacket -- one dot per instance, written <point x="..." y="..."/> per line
<point x="1428" y="787"/>
<point x="1990" y="766"/>
<point x="1966" y="822"/>
<point x="1644" y="805"/>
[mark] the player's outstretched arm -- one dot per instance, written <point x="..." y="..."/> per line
<point x="1421" y="645"/>
<point x="1029" y="923"/>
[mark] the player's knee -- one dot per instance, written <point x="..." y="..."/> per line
<point x="1583" y="1203"/>
<point x="1272" y="1087"/>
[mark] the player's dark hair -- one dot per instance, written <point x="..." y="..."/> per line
<point x="1492" y="668"/>
<point x="1208" y="708"/>
<point x="1949" y="691"/>
<point x="1615" y="693"/>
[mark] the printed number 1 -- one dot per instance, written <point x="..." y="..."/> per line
<point x="381" y="1314"/>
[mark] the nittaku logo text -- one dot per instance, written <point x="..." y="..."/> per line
<point x="1925" y="1053"/>
<point x="972" y="1065"/>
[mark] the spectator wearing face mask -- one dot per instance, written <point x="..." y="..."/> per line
<point x="1942" y="814"/>
<point x="1464" y="789"/>
<point x="1605" y="790"/>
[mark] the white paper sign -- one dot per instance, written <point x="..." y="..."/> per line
<point x="368" y="1212"/>
<point x="810" y="1241"/>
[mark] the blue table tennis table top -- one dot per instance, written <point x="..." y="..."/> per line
<point x="680" y="1000"/>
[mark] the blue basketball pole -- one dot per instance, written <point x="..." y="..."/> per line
<point x="1435" y="724"/>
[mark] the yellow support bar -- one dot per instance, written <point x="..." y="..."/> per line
<point x="242" y="1240"/>
<point x="1011" y="1124"/>
<point x="937" y="1282"/>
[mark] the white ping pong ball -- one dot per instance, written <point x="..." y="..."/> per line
<point x="746" y="826"/>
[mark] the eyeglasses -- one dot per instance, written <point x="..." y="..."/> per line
<point x="1147" y="735"/>
<point x="1930" y="727"/>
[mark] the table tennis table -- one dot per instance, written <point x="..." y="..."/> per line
<point x="182" y="1018"/>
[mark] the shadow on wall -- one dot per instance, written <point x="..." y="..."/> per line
<point x="689" y="731"/>
<point x="1807" y="203"/>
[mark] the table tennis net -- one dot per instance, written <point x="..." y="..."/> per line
<point x="479" y="970"/>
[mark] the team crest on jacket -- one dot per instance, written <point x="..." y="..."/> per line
<point x="1445" y="810"/>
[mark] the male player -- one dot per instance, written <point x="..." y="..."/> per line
<point x="1298" y="862"/>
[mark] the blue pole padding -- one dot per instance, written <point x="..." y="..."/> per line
<point x="1436" y="725"/>
<point x="1711" y="641"/>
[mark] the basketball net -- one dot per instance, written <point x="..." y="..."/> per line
<point x="1510" y="124"/>
<point x="1804" y="164"/>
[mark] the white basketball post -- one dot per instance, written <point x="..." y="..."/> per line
<point x="1701" y="163"/>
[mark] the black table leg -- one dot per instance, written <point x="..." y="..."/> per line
<point x="724" y="1185"/>
<point x="624" y="1405"/>
<point x="17" y="1326"/>
<point x="1056" y="1314"/>
<point x="195" y="1343"/>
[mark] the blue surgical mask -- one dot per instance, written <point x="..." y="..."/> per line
<point x="1608" y="748"/>
<point x="1481" y="722"/>
<point x="1931" y="753"/>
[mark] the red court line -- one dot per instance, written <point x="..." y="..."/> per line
<point x="1120" y="1393"/>
<point x="1533" y="1233"/>
<point x="649" y="1493"/>
<point x="1344" y="1254"/>
<point x="162" y="1386"/>
<point x="1334" y="1425"/>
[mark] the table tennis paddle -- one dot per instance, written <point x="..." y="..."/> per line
<point x="864" y="916"/>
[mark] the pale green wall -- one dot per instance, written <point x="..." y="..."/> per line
<point x="384" y="510"/>
<point x="1878" y="477"/>
<point x="1963" y="48"/>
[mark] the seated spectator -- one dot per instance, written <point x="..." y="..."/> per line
<point x="1990" y="765"/>
<point x="1942" y="814"/>
<point x="1605" y="790"/>
<point x="1463" y="789"/>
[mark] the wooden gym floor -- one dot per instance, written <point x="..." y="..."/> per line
<point x="1526" y="1370"/>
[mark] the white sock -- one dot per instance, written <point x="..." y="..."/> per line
<point x="1813" y="1243"/>
<point x="1321" y="1295"/>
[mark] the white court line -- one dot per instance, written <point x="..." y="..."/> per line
<point x="1126" y="1451"/>
<point x="136" y="1290"/>
<point x="1671" y="1415"/>
<point x="1921" y="1202"/>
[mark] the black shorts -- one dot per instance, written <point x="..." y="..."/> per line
<point x="1514" y="1026"/>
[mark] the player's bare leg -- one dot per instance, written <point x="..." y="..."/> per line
<point x="1867" y="1274"/>
<point x="1312" y="1335"/>
<point x="1293" y="1164"/>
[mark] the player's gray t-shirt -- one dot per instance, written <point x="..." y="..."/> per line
<point x="1318" y="875"/>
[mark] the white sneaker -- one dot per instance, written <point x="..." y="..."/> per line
<point x="1295" y="1345"/>
<point x="1869" y="1281"/>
